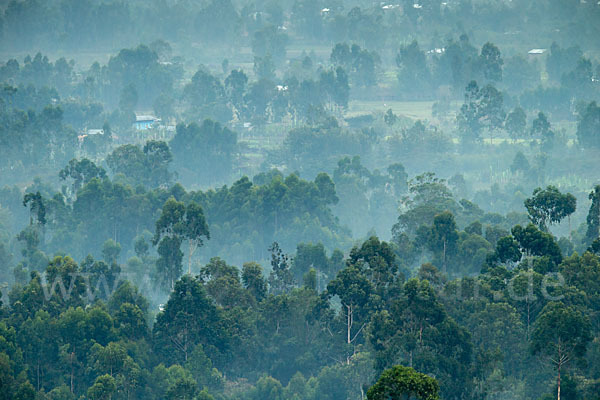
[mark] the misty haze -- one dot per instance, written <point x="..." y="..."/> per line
<point x="299" y="200"/>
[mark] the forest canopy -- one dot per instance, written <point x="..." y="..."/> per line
<point x="299" y="200"/>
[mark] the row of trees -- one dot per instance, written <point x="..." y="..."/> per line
<point x="264" y="100"/>
<point x="483" y="112"/>
<point x="229" y="23"/>
<point x="244" y="218"/>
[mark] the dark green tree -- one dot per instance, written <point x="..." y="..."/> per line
<point x="588" y="126"/>
<point x="81" y="172"/>
<point x="215" y="143"/>
<point x="561" y="333"/>
<point x="549" y="206"/>
<point x="593" y="217"/>
<point x="413" y="75"/>
<point x="281" y="278"/>
<point x="354" y="291"/>
<point x="443" y="237"/>
<point x="103" y="388"/>
<point x="404" y="382"/>
<point x="541" y="128"/>
<point x="189" y="318"/>
<point x="515" y="123"/>
<point x="37" y="209"/>
<point x="491" y="62"/>
<point x="184" y="222"/>
<point x="253" y="280"/>
<point x="534" y="242"/>
<point x="507" y="250"/>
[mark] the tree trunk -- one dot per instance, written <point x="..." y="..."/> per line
<point x="349" y="323"/>
<point x="349" y="330"/>
<point x="190" y="259"/>
<point x="72" y="372"/>
<point x="528" y="318"/>
<point x="444" y="256"/>
<point x="558" y="397"/>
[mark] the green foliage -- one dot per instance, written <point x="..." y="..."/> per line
<point x="588" y="126"/>
<point x="217" y="146"/>
<point x="400" y="381"/>
<point x="253" y="280"/>
<point x="336" y="305"/>
<point x="483" y="110"/>
<point x="81" y="172"/>
<point x="561" y="333"/>
<point x="189" y="318"/>
<point x="177" y="223"/>
<point x="414" y="75"/>
<point x="205" y="95"/>
<point x="37" y="209"/>
<point x="549" y="206"/>
<point x="269" y="41"/>
<point x="360" y="63"/>
<point x="103" y="388"/>
<point x="593" y="217"/>
<point x="491" y="62"/>
<point x="515" y="124"/>
<point x="148" y="166"/>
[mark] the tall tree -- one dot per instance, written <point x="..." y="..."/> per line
<point x="253" y="280"/>
<point x="189" y="318"/>
<point x="561" y="333"/>
<point x="491" y="62"/>
<point x="443" y="237"/>
<point x="81" y="172"/>
<point x="354" y="291"/>
<point x="482" y="109"/>
<point x="515" y="123"/>
<point x="281" y="278"/>
<point x="379" y="261"/>
<point x="206" y="152"/>
<point x="179" y="222"/>
<point x="550" y="206"/>
<point x="541" y="128"/>
<point x="37" y="209"/>
<point x="588" y="126"/>
<point x="593" y="217"/>
<point x="195" y="230"/>
<point x="534" y="242"/>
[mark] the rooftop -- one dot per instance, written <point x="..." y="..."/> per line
<point x="141" y="118"/>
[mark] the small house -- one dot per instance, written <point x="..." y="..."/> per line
<point x="145" y="122"/>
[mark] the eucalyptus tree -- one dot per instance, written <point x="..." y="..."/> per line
<point x="561" y="334"/>
<point x="550" y="206"/>
<point x="178" y="223"/>
<point x="593" y="217"/>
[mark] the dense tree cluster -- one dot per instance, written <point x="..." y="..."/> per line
<point x="299" y="200"/>
<point x="225" y="324"/>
